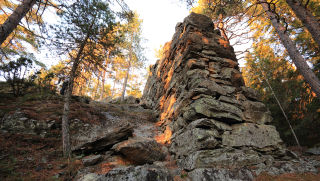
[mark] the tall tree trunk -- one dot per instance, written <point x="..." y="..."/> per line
<point x="128" y="70"/>
<point x="88" y="85"/>
<point x="220" y="25"/>
<point x="114" y="86"/>
<point x="14" y="19"/>
<point x="102" y="84"/>
<point x="65" y="116"/>
<point x="96" y="88"/>
<point x="104" y="76"/>
<point x="291" y="48"/>
<point x="307" y="19"/>
<point x="125" y="82"/>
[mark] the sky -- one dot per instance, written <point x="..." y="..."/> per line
<point x="159" y="20"/>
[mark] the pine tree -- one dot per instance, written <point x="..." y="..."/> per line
<point x="84" y="24"/>
<point x="13" y="21"/>
<point x="307" y="18"/>
<point x="294" y="54"/>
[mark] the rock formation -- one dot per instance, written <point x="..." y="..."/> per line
<point x="198" y="90"/>
<point x="214" y="127"/>
<point x="195" y="121"/>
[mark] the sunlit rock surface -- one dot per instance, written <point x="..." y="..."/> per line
<point x="195" y="121"/>
<point x="201" y="97"/>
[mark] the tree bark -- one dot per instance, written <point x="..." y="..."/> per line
<point x="14" y="19"/>
<point x="128" y="70"/>
<point x="113" y="87"/>
<point x="294" y="54"/>
<point x="102" y="84"/>
<point x="65" y="116"/>
<point x="307" y="19"/>
<point x="96" y="88"/>
<point x="104" y="76"/>
<point x="124" y="86"/>
<point x="220" y="25"/>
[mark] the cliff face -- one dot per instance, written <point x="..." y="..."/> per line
<point x="207" y="126"/>
<point x="207" y="114"/>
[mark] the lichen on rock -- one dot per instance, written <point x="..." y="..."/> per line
<point x="213" y="117"/>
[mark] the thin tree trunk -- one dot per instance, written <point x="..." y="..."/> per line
<point x="222" y="29"/>
<point x="307" y="19"/>
<point x="128" y="70"/>
<point x="113" y="87"/>
<point x="96" y="88"/>
<point x="294" y="54"/>
<point x="104" y="76"/>
<point x="65" y="116"/>
<point x="80" y="89"/>
<point x="124" y="86"/>
<point x="102" y="85"/>
<point x="14" y="19"/>
<point x="88" y="85"/>
<point x="284" y="114"/>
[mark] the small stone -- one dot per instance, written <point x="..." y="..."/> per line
<point x="313" y="151"/>
<point x="90" y="177"/>
<point x="38" y="168"/>
<point x="23" y="119"/>
<point x="62" y="166"/>
<point x="91" y="160"/>
<point x="44" y="160"/>
<point x="49" y="166"/>
<point x="30" y="159"/>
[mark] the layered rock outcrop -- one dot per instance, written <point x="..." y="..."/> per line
<point x="209" y="118"/>
<point x="209" y="125"/>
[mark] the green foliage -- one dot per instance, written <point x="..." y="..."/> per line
<point x="24" y="35"/>
<point x="295" y="96"/>
<point x="224" y="8"/>
<point x="16" y="72"/>
<point x="84" y="21"/>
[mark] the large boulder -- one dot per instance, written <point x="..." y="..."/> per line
<point x="259" y="137"/>
<point x="210" y="174"/>
<point x="200" y="134"/>
<point x="138" y="173"/>
<point x="97" y="137"/>
<point x="221" y="158"/>
<point x="141" y="150"/>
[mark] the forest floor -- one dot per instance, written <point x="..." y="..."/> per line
<point x="32" y="157"/>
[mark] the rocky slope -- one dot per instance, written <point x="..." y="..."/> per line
<point x="195" y="121"/>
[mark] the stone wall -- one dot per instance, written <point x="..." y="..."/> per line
<point x="209" y="118"/>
